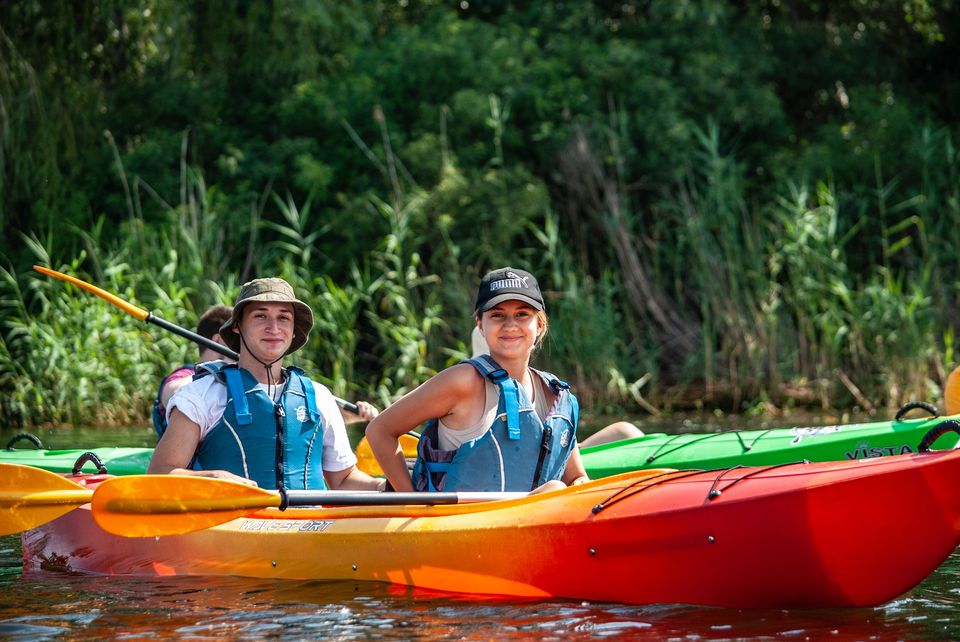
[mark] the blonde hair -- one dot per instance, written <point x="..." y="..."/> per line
<point x="544" y="327"/>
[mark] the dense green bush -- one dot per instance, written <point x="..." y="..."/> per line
<point x="729" y="205"/>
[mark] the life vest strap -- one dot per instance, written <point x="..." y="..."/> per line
<point x="309" y="392"/>
<point x="234" y="382"/>
<point x="433" y="468"/>
<point x="509" y="391"/>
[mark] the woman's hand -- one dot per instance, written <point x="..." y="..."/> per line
<point x="365" y="412"/>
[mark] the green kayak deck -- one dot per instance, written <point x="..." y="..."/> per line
<point x="657" y="450"/>
<point x="764" y="447"/>
<point x="117" y="461"/>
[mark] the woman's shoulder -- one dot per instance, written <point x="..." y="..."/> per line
<point x="321" y="392"/>
<point x="462" y="378"/>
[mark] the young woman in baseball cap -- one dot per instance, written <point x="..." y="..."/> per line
<point x="493" y="422"/>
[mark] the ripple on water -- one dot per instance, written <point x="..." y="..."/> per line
<point x="12" y="630"/>
<point x="45" y="605"/>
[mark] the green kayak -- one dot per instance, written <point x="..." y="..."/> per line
<point x="767" y="447"/>
<point x="657" y="450"/>
<point x="116" y="461"/>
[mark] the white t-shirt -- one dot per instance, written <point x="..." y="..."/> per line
<point x="203" y="402"/>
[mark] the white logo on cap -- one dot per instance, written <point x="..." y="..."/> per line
<point x="513" y="280"/>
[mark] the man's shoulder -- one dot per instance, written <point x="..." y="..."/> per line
<point x="321" y="391"/>
<point x="201" y="386"/>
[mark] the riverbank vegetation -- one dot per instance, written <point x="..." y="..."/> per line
<point x="741" y="208"/>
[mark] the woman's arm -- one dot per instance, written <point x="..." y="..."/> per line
<point x="453" y="393"/>
<point x="575" y="473"/>
<point x="353" y="479"/>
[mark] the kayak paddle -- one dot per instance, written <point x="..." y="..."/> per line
<point x="366" y="461"/>
<point x="150" y="317"/>
<point x="31" y="496"/>
<point x="156" y="505"/>
<point x="951" y="393"/>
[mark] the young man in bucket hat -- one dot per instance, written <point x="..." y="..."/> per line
<point x="255" y="421"/>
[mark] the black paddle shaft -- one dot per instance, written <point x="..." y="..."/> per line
<point x="193" y="336"/>
<point x="290" y="498"/>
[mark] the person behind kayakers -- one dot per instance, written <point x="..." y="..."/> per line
<point x="493" y="422"/>
<point x="208" y="327"/>
<point x="255" y="421"/>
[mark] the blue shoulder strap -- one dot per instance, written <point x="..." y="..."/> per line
<point x="235" y="387"/>
<point x="214" y="367"/>
<point x="309" y="392"/>
<point x="558" y="385"/>
<point x="509" y="390"/>
<point x="434" y="467"/>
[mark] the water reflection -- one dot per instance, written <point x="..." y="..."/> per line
<point x="44" y="605"/>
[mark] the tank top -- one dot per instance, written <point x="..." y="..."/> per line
<point x="451" y="438"/>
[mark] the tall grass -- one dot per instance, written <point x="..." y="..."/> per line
<point x="721" y="242"/>
<point x="769" y="286"/>
<point x="66" y="358"/>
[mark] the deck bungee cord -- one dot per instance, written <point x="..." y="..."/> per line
<point x="659" y="452"/>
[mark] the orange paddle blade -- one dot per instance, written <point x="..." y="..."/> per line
<point x="153" y="505"/>
<point x="368" y="463"/>
<point x="30" y="497"/>
<point x="129" y="308"/>
<point x="951" y="393"/>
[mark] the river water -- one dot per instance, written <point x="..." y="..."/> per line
<point x="43" y="605"/>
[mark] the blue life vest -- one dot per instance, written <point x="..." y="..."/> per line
<point x="160" y="417"/>
<point x="518" y="453"/>
<point x="275" y="444"/>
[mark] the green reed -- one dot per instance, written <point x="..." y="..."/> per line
<point x="789" y="311"/>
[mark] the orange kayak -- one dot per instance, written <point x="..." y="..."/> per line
<point x="836" y="534"/>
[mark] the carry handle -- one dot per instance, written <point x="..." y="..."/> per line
<point x="936" y="432"/>
<point x="93" y="458"/>
<point x="24" y="436"/>
<point x="913" y="405"/>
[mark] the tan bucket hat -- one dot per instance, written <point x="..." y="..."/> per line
<point x="270" y="290"/>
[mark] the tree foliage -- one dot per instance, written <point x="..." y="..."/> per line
<point x="728" y="194"/>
